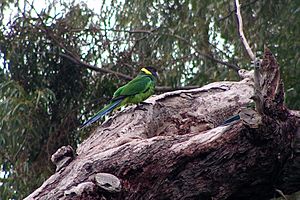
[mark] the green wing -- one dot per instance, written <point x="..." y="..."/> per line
<point x="137" y="85"/>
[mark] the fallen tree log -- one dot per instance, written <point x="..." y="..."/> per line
<point x="177" y="148"/>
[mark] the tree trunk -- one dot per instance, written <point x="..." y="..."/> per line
<point x="177" y="148"/>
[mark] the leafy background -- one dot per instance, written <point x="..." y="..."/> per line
<point x="48" y="85"/>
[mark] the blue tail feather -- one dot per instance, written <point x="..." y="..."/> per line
<point x="101" y="113"/>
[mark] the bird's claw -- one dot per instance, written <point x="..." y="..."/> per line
<point x="139" y="106"/>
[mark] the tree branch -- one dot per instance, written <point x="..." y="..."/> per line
<point x="76" y="59"/>
<point x="115" y="30"/>
<point x="126" y="77"/>
<point x="241" y="32"/>
<point x="94" y="68"/>
<point x="73" y="56"/>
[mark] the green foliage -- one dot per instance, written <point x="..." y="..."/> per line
<point x="45" y="95"/>
<point x="40" y="98"/>
<point x="22" y="117"/>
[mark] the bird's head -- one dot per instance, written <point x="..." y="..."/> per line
<point x="150" y="71"/>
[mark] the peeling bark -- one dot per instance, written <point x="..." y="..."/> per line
<point x="176" y="147"/>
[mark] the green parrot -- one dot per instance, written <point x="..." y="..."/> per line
<point x="134" y="92"/>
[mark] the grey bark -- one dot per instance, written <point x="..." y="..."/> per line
<point x="177" y="148"/>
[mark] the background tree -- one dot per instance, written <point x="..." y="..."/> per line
<point x="62" y="63"/>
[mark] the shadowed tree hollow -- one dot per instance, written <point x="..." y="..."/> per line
<point x="177" y="148"/>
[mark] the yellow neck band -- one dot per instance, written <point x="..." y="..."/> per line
<point x="146" y="71"/>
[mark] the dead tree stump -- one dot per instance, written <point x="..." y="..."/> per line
<point x="176" y="147"/>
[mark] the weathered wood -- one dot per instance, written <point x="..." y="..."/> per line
<point x="175" y="148"/>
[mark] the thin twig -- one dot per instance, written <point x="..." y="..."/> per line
<point x="241" y="32"/>
<point x="96" y="29"/>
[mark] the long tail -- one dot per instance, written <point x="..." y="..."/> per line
<point x="102" y="112"/>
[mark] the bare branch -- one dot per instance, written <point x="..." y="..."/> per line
<point x="73" y="56"/>
<point x="96" y="29"/>
<point x="104" y="70"/>
<point x="94" y="68"/>
<point x="241" y="32"/>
